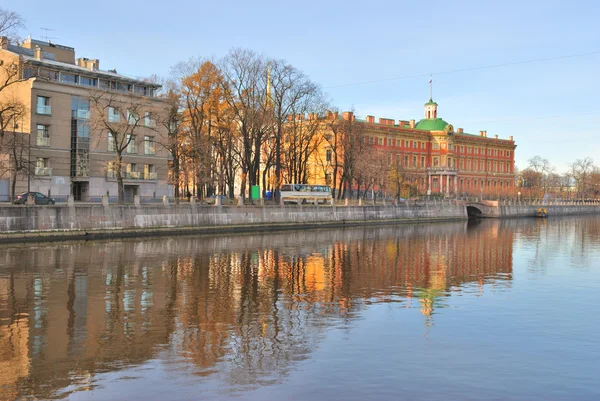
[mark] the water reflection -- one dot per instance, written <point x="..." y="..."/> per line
<point x="244" y="309"/>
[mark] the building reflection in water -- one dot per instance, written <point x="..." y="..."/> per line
<point x="243" y="308"/>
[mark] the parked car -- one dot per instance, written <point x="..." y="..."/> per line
<point x="40" y="199"/>
<point x="211" y="200"/>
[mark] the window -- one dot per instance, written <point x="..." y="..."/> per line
<point x="389" y="141"/>
<point x="508" y="153"/>
<point x="495" y="166"/>
<point x="149" y="173"/>
<point x="113" y="115"/>
<point x="415" y="145"/>
<point x="149" y="122"/>
<point x="370" y="140"/>
<point x="42" y="167"/>
<point x="111" y="147"/>
<point x="380" y="141"/>
<point x="389" y="158"/>
<point x="132" y="146"/>
<point x="131" y="171"/>
<point x="436" y="146"/>
<point x="49" y="75"/>
<point x="149" y="148"/>
<point x="508" y="167"/>
<point x="43" y="135"/>
<point x="104" y="84"/>
<point x="495" y="152"/>
<point x="422" y="161"/>
<point x="87" y="81"/>
<point x="132" y="118"/>
<point x="43" y="105"/>
<point x="414" y="161"/>
<point x="141" y="90"/>
<point x="328" y="155"/>
<point x="68" y="78"/>
<point x="406" y="161"/>
<point x="436" y="161"/>
<point x="111" y="170"/>
<point x="422" y="145"/>
<point x="80" y="108"/>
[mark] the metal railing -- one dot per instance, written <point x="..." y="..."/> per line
<point x="43" y="109"/>
<point x="43" y="171"/>
<point x="150" y="176"/>
<point x="42" y="141"/>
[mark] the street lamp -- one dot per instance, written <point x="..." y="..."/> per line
<point x="519" y="195"/>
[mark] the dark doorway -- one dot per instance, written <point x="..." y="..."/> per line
<point x="80" y="190"/>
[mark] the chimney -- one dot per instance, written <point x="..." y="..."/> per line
<point x="459" y="130"/>
<point x="496" y="136"/>
<point x="37" y="53"/>
<point x="299" y="117"/>
<point x="412" y="123"/>
<point x="483" y="133"/>
<point x="94" y="64"/>
<point x="370" y="119"/>
<point x="311" y="116"/>
<point x="290" y="117"/>
<point x="3" y="42"/>
<point x="386" y="121"/>
<point x="347" y="115"/>
<point x="510" y="138"/>
<point x="335" y="115"/>
<point x="329" y="114"/>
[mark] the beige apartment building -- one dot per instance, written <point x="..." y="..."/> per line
<point x="69" y="154"/>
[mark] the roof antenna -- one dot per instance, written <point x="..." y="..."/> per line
<point x="46" y="36"/>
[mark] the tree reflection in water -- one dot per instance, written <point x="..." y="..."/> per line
<point x="243" y="308"/>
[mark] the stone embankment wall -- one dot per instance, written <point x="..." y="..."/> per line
<point x="501" y="209"/>
<point x="87" y="221"/>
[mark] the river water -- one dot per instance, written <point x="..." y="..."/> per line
<point x="495" y="310"/>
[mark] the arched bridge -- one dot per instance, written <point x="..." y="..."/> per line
<point x="482" y="208"/>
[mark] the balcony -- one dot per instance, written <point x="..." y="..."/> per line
<point x="150" y="176"/>
<point x="43" y="109"/>
<point x="82" y="172"/>
<point x="43" y="171"/>
<point x="111" y="175"/>
<point x="81" y="114"/>
<point x="42" y="141"/>
<point x="132" y="175"/>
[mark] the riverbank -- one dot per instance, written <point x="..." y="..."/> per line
<point x="99" y="221"/>
<point x="48" y="223"/>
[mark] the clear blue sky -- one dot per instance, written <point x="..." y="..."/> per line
<point x="549" y="107"/>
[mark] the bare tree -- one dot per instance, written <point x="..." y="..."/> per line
<point x="245" y="89"/>
<point x="541" y="169"/>
<point x="15" y="144"/>
<point x="117" y="117"/>
<point x="581" y="170"/>
<point x="291" y="93"/>
<point x="10" y="23"/>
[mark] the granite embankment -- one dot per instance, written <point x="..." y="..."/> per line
<point x="87" y="221"/>
<point x="38" y="223"/>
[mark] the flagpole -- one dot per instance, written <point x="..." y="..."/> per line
<point x="431" y="87"/>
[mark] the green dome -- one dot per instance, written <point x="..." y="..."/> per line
<point x="432" y="124"/>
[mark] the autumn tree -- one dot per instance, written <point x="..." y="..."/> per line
<point x="202" y="98"/>
<point x="15" y="144"/>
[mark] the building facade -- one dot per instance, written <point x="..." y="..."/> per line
<point x="66" y="152"/>
<point x="431" y="156"/>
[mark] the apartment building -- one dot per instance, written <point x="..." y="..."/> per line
<point x="68" y="152"/>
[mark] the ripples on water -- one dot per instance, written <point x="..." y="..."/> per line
<point x="493" y="310"/>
